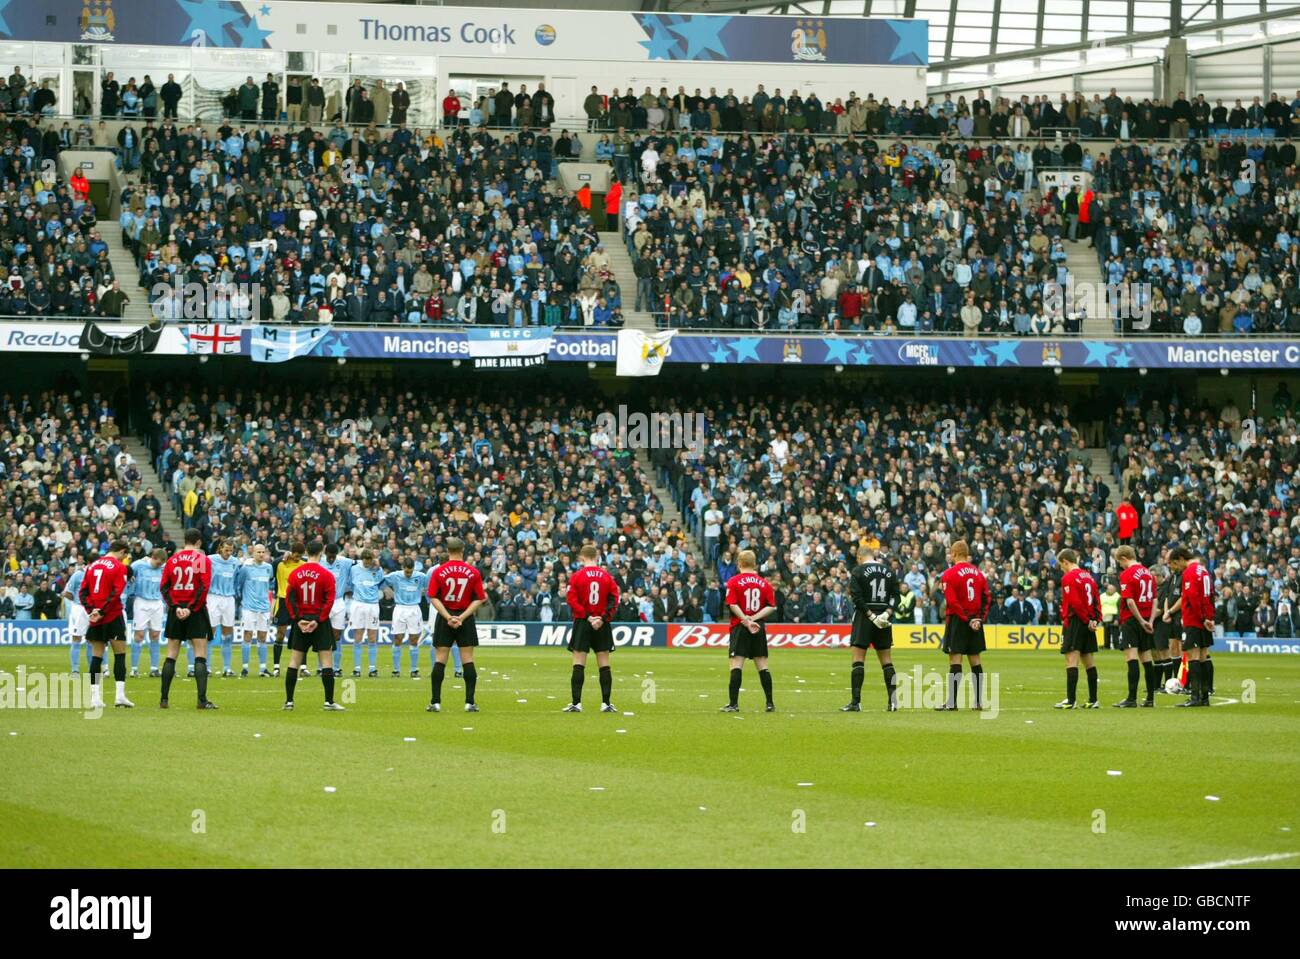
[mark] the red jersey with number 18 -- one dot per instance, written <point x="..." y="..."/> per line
<point x="751" y="593"/>
<point x="966" y="592"/>
<point x="456" y="584"/>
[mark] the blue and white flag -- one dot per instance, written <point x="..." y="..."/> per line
<point x="276" y="344"/>
<point x="508" y="348"/>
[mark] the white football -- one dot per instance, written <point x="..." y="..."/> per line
<point x="1173" y="687"/>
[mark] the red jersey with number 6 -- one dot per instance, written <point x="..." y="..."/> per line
<point x="1136" y="583"/>
<point x="309" y="592"/>
<point x="751" y="593"/>
<point x="456" y="584"/>
<point x="186" y="576"/>
<point x="1080" y="598"/>
<point x="966" y="592"/>
<point x="102" y="586"/>
<point x="592" y="592"/>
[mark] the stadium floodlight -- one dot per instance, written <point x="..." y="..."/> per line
<point x="839" y="367"/>
<point x="704" y="367"/>
<point x="343" y="361"/>
<point x="1142" y="371"/>
<point x="952" y="370"/>
<point x="455" y="362"/>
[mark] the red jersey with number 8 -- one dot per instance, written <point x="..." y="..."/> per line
<point x="309" y="592"/>
<point x="185" y="579"/>
<point x="592" y="592"/>
<point x="456" y="584"/>
<point x="751" y="593"/>
<point x="966" y="592"/>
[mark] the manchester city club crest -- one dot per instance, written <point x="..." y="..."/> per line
<point x="792" y="352"/>
<point x="97" y="20"/>
<point x="1051" y="354"/>
<point x="808" y="40"/>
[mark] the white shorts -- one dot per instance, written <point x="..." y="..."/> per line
<point x="148" y="614"/>
<point x="78" y="620"/>
<point x="221" y="611"/>
<point x="407" y="621"/>
<point x="363" y="615"/>
<point x="339" y="615"/>
<point x="252" y="621"/>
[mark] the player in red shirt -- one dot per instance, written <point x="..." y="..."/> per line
<point x="967" y="597"/>
<point x="186" y="576"/>
<point x="455" y="593"/>
<point x="593" y="598"/>
<point x="101" y="596"/>
<point x="1137" y="600"/>
<point x="1197" y="603"/>
<point x="309" y="598"/>
<point x="751" y="600"/>
<point x="1080" y="620"/>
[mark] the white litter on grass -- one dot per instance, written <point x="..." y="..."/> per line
<point x="1029" y="722"/>
<point x="868" y="824"/>
<point x="803" y="680"/>
<point x="330" y="789"/>
<point x="13" y="734"/>
<point x="803" y="784"/>
<point x="550" y="697"/>
<point x="629" y="714"/>
<point x="598" y="789"/>
<point x="408" y="739"/>
<point x="468" y="729"/>
<point x="1113" y="772"/>
<point x="1212" y="798"/>
<point x="1286" y="828"/>
<point x="389" y="769"/>
<point x="706" y="695"/>
<point x="703" y="809"/>
<point x="521" y="700"/>
<point x="620" y="730"/>
<point x="257" y="735"/>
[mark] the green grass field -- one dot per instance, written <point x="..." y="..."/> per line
<point x="675" y="783"/>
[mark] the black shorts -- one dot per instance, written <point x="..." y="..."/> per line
<point x="585" y="639"/>
<point x="1133" y="636"/>
<point x="867" y="635"/>
<point x="319" y="639"/>
<point x="746" y="644"/>
<point x="1197" y="637"/>
<point x="959" y="639"/>
<point x="445" y="635"/>
<point x="107" y="632"/>
<point x="1078" y="638"/>
<point x="1163" y="633"/>
<point x="282" y="613"/>
<point x="194" y="626"/>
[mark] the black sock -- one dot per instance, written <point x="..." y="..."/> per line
<point x="168" y="674"/>
<point x="575" y="682"/>
<point x="765" y="677"/>
<point x="1207" y="674"/>
<point x="891" y="683"/>
<point x="279" y="648"/>
<point x="119" y="667"/>
<point x="1133" y="670"/>
<point x="96" y="665"/>
<point x="1092" y="684"/>
<point x="855" y="681"/>
<point x="954" y="684"/>
<point x="439" y="671"/>
<point x="201" y="678"/>
<point x="327" y="680"/>
<point x="977" y="684"/>
<point x="290" y="681"/>
<point x="1071" y="682"/>
<point x="471" y="680"/>
<point x="1172" y="667"/>
<point x="1194" y="678"/>
<point x="1149" y="674"/>
<point x="606" y="683"/>
<point x="733" y="687"/>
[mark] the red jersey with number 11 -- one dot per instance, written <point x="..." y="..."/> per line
<point x="751" y="593"/>
<point x="966" y="592"/>
<point x="309" y="592"/>
<point x="456" y="584"/>
<point x="592" y="592"/>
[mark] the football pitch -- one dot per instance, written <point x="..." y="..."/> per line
<point x="667" y="781"/>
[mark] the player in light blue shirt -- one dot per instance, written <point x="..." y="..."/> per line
<point x="408" y="588"/>
<point x="366" y="580"/>
<point x="221" y="602"/>
<point x="255" y="582"/>
<point x="147" y="611"/>
<point x="341" y="568"/>
<point x="76" y="616"/>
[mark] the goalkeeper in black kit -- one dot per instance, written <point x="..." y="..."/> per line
<point x="873" y="589"/>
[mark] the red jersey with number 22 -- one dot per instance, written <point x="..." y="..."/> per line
<point x="751" y="593"/>
<point x="966" y="592"/>
<point x="185" y="579"/>
<point x="456" y="584"/>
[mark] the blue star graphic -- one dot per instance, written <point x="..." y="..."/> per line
<point x="837" y="349"/>
<point x="719" y="353"/>
<point x="265" y="10"/>
<point x="4" y="27"/>
<point x="746" y="347"/>
<point x="701" y="34"/>
<point x="1124" y="359"/>
<point x="252" y="35"/>
<point x="913" y="41"/>
<point x="208" y="18"/>
<point x="1099" y="352"/>
<point x="661" y="42"/>
<point x="978" y="356"/>
<point x="864" y="356"/>
<point x="1004" y="351"/>
<point x="339" y="345"/>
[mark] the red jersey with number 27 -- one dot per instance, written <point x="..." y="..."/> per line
<point x="966" y="592"/>
<point x="102" y="586"/>
<point x="185" y="579"/>
<point x="592" y="592"/>
<point x="456" y="584"/>
<point x="1136" y="583"/>
<point x="751" y="593"/>
<point x="309" y="592"/>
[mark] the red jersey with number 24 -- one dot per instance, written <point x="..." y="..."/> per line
<point x="456" y="584"/>
<point x="751" y="593"/>
<point x="1136" y="583"/>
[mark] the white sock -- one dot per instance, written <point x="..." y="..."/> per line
<point x="120" y="686"/>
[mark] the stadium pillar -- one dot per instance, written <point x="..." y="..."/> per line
<point x="1175" y="69"/>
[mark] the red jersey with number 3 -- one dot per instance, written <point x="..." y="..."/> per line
<point x="751" y="593"/>
<point x="966" y="592"/>
<point x="1080" y="598"/>
<point x="1198" y="596"/>
<point x="186" y="577"/>
<point x="592" y="592"/>
<point x="309" y="592"/>
<point x="1136" y="583"/>
<point x="102" y="587"/>
<point x="456" y="584"/>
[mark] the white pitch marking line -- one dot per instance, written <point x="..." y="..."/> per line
<point x="1223" y="863"/>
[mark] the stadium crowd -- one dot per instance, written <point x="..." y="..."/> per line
<point x="803" y="482"/>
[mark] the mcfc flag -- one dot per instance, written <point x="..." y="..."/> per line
<point x="144" y="340"/>
<point x="277" y="344"/>
<point x="508" y="348"/>
<point x="641" y="353"/>
<point x="212" y="339"/>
